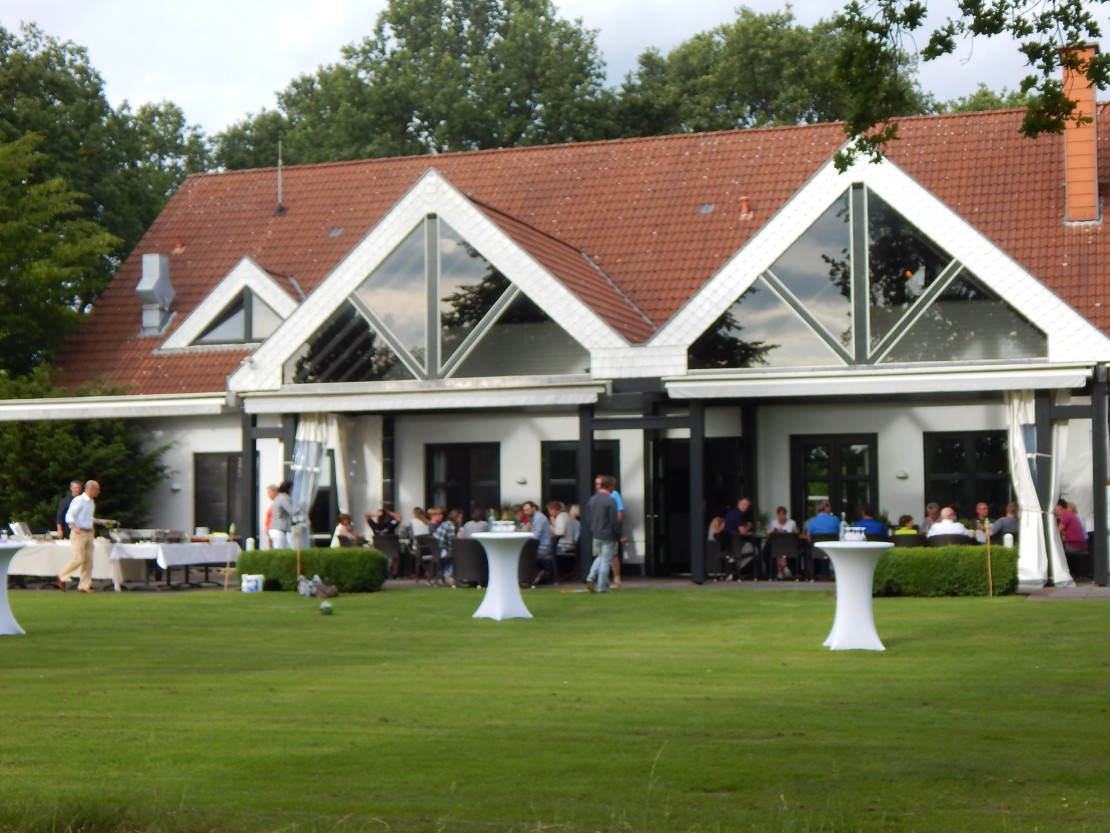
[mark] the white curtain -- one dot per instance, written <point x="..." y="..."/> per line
<point x="1061" y="575"/>
<point x="309" y="447"/>
<point x="1032" y="555"/>
<point x="340" y="428"/>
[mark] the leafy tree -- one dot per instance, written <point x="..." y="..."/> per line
<point x="985" y="98"/>
<point x="438" y="75"/>
<point x="38" y="460"/>
<point x="126" y="163"/>
<point x="878" y="31"/>
<point x="762" y="69"/>
<point x="50" y="257"/>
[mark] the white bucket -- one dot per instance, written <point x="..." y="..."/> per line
<point x="253" y="583"/>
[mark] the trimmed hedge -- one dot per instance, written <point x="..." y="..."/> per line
<point x="351" y="569"/>
<point x="957" y="570"/>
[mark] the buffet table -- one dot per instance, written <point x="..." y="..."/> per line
<point x="46" y="558"/>
<point x="168" y="556"/>
<point x="503" y="599"/>
<point x="854" y="623"/>
<point x="122" y="562"/>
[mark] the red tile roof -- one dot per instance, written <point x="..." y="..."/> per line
<point x="626" y="225"/>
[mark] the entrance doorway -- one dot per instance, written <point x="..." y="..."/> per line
<point x="667" y="502"/>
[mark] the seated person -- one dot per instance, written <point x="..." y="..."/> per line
<point x="738" y="520"/>
<point x="932" y="515"/>
<point x="1071" y="529"/>
<point x="948" y="525"/>
<point x="782" y="523"/>
<point x="345" y="535"/>
<point x="383" y="522"/>
<point x="824" y="522"/>
<point x="905" y="526"/>
<point x="477" y="523"/>
<point x="871" y="527"/>
<point x="1009" y="523"/>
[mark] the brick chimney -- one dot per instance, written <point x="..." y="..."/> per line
<point x="1080" y="141"/>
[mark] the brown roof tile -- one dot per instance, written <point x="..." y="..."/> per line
<point x="657" y="217"/>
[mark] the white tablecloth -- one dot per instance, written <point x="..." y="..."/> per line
<point x="179" y="555"/>
<point x="854" y="623"/>
<point x="47" y="559"/>
<point x="503" y="599"/>
<point x="118" y="562"/>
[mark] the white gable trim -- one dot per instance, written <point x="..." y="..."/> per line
<point x="113" y="407"/>
<point x="245" y="274"/>
<point x="1071" y="337"/>
<point x="431" y="194"/>
<point x="878" y="381"/>
<point x="468" y="394"/>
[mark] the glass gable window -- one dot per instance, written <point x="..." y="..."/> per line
<point x="247" y="319"/>
<point x="436" y="308"/>
<point x="863" y="285"/>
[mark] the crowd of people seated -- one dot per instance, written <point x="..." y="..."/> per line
<point x="556" y="527"/>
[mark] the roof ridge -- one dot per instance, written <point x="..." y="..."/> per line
<point x="579" y="251"/>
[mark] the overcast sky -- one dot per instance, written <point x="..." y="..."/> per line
<point x="220" y="60"/>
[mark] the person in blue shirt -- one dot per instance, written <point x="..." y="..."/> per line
<point x="873" y="528"/>
<point x="824" y="522"/>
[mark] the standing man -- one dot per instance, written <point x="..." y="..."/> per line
<point x="75" y="488"/>
<point x="541" y="531"/>
<point x="81" y="518"/>
<point x="605" y="529"/>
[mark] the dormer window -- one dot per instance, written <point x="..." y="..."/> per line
<point x="248" y="319"/>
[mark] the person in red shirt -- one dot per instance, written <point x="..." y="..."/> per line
<point x="1071" y="529"/>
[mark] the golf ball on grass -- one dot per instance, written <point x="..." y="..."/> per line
<point x="326" y="608"/>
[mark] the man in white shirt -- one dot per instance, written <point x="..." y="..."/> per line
<point x="948" y="525"/>
<point x="81" y="518"/>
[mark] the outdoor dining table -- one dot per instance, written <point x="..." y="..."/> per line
<point x="854" y="623"/>
<point x="168" y="556"/>
<point x="8" y="625"/>
<point x="503" y="599"/>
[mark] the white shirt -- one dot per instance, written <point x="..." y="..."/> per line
<point x="943" y="527"/>
<point x="81" y="511"/>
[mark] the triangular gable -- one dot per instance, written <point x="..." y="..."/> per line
<point x="245" y="275"/>
<point x="431" y="194"/>
<point x="1070" y="336"/>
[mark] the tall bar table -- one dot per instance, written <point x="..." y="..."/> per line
<point x="854" y="624"/>
<point x="503" y="599"/>
<point x="8" y="625"/>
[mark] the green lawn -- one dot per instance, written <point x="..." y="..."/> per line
<point x="642" y="710"/>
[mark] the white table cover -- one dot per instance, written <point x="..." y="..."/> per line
<point x="8" y="625"/>
<point x="854" y="624"/>
<point x="503" y="599"/>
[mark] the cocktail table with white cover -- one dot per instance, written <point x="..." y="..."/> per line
<point x="854" y="624"/>
<point x="8" y="625"/>
<point x="503" y="599"/>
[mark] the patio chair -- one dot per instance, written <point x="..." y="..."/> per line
<point x="528" y="565"/>
<point x="784" y="544"/>
<point x="907" y="540"/>
<point x="427" y="558"/>
<point x="716" y="561"/>
<point x="471" y="565"/>
<point x="390" y="547"/>
<point x="818" y="556"/>
<point x="949" y="540"/>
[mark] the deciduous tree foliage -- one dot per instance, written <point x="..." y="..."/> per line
<point x="50" y="257"/>
<point x="757" y="71"/>
<point x="39" y="459"/>
<point x="436" y="76"/>
<point x="126" y="164"/>
<point x="880" y="30"/>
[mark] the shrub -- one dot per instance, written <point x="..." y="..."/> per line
<point x="351" y="569"/>
<point x="958" y="570"/>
